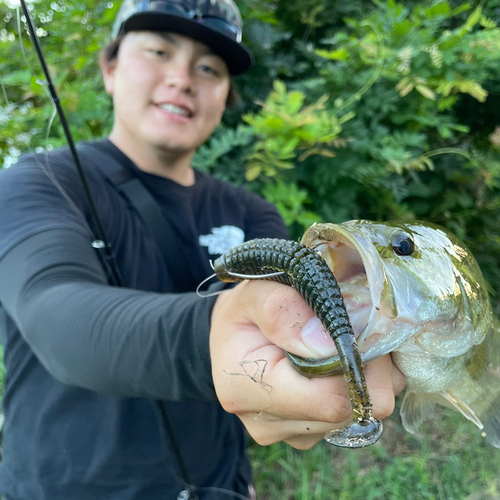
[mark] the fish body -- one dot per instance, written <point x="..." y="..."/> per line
<point x="415" y="291"/>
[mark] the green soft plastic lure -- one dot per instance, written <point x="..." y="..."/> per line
<point x="307" y="272"/>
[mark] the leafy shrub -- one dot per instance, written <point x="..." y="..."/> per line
<point x="378" y="110"/>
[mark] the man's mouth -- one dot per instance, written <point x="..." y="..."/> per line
<point x="176" y="110"/>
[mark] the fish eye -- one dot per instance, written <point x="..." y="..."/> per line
<point x="403" y="244"/>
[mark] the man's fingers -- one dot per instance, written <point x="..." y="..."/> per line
<point x="269" y="384"/>
<point x="287" y="321"/>
<point x="252" y="325"/>
<point x="398" y="380"/>
<point x="268" y="431"/>
<point x="379" y="378"/>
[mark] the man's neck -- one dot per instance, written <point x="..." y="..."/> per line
<point x="176" y="167"/>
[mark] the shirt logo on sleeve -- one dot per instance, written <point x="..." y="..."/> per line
<point x="222" y="239"/>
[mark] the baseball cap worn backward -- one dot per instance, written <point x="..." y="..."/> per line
<point x="216" y="23"/>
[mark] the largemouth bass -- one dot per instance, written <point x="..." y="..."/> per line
<point x="414" y="290"/>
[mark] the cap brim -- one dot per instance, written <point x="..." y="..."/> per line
<point x="237" y="56"/>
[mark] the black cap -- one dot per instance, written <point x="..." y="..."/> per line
<point x="215" y="23"/>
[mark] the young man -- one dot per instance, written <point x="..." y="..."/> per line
<point x="86" y="360"/>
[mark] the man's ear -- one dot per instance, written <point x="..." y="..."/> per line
<point x="108" y="73"/>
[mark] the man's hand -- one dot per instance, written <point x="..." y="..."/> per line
<point x="252" y="325"/>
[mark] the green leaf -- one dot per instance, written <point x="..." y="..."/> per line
<point x="333" y="55"/>
<point x="295" y="102"/>
<point x="279" y="87"/>
<point x="273" y="123"/>
<point x="346" y="117"/>
<point x="486" y="23"/>
<point x="252" y="172"/>
<point x="459" y="9"/>
<point x="405" y="86"/>
<point x="473" y="19"/>
<point x="426" y="92"/>
<point x="440" y="9"/>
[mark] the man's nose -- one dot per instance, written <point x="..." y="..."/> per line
<point x="179" y="75"/>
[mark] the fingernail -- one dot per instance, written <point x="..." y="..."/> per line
<point x="316" y="338"/>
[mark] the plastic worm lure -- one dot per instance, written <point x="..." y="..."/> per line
<point x="296" y="265"/>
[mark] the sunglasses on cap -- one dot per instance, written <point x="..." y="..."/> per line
<point x="221" y="16"/>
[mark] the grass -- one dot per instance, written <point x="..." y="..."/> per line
<point x="449" y="461"/>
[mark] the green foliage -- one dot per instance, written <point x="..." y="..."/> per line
<point x="285" y="127"/>
<point x="71" y="35"/>
<point x="223" y="141"/>
<point x="402" y="73"/>
<point x="381" y="110"/>
<point x="290" y="201"/>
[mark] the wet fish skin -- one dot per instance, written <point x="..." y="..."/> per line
<point x="429" y="308"/>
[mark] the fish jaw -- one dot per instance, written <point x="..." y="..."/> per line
<point x="434" y="295"/>
<point x="366" y="288"/>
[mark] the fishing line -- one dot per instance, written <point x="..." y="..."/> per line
<point x="47" y="134"/>
<point x="339" y="103"/>
<point x="473" y="161"/>
<point x="45" y="168"/>
<point x="236" y="275"/>
<point x="21" y="44"/>
<point x="206" y="295"/>
<point x="471" y="211"/>
<point x="255" y="276"/>
<point x="4" y="92"/>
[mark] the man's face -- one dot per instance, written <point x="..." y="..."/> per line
<point x="169" y="91"/>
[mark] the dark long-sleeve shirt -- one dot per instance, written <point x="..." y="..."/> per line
<point x="82" y="357"/>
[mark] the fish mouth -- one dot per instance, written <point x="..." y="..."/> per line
<point x="361" y="276"/>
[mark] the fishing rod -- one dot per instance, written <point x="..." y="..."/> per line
<point x="101" y="242"/>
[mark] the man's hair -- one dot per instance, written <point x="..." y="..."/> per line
<point x="110" y="52"/>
